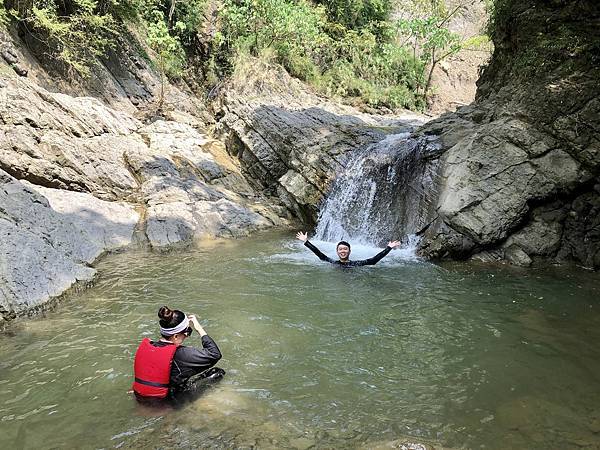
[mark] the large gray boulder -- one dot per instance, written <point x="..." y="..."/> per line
<point x="49" y="238"/>
<point x="80" y="179"/>
<point x="64" y="142"/>
<point x="192" y="188"/>
<point x="520" y="168"/>
<point x="490" y="176"/>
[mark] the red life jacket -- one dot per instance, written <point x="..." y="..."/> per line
<point x="152" y="369"/>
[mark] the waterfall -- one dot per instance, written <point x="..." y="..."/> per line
<point x="386" y="192"/>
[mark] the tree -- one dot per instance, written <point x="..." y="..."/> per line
<point x="431" y="41"/>
<point x="74" y="32"/>
<point x="168" y="49"/>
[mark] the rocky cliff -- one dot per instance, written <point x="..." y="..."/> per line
<point x="291" y="142"/>
<point x="91" y="171"/>
<point x="519" y="169"/>
<point x="84" y="169"/>
<point x="516" y="172"/>
<point x="79" y="178"/>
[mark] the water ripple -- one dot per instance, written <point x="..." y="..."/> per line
<point x="346" y="357"/>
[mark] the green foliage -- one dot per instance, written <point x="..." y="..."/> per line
<point x="292" y="30"/>
<point x="288" y="26"/>
<point x="358" y="14"/>
<point x="188" y="18"/>
<point x="4" y="19"/>
<point x="349" y="48"/>
<point x="498" y="16"/>
<point x="481" y="42"/>
<point x="75" y="31"/>
<point x="429" y="37"/>
<point x="422" y="8"/>
<point x="183" y="19"/>
<point x="171" y="57"/>
<point x="431" y="42"/>
<point x="356" y="58"/>
<point x="531" y="45"/>
<point x="171" y="27"/>
<point x="380" y="74"/>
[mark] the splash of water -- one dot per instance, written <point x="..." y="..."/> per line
<point x="385" y="193"/>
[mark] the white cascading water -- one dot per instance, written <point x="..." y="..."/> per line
<point x="383" y="195"/>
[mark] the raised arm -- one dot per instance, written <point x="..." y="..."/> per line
<point x="304" y="238"/>
<point x="375" y="259"/>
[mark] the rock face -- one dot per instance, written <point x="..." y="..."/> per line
<point x="48" y="239"/>
<point x="191" y="192"/>
<point x="516" y="174"/>
<point x="291" y="142"/>
<point x="122" y="79"/>
<point x="519" y="174"/>
<point x="78" y="179"/>
<point x="65" y="142"/>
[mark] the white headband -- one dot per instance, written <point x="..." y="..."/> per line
<point x="177" y="329"/>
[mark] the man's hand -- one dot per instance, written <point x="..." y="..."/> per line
<point x="302" y="236"/>
<point x="394" y="244"/>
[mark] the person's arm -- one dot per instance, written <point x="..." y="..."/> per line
<point x="319" y="253"/>
<point x="375" y="259"/>
<point x="209" y="347"/>
<point x="189" y="361"/>
<point x="304" y="238"/>
<point x="194" y="321"/>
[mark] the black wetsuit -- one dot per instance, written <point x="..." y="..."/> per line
<point x="362" y="262"/>
<point x="190" y="361"/>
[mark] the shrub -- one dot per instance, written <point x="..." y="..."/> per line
<point x="4" y="19"/>
<point x="74" y="31"/>
<point x="355" y="58"/>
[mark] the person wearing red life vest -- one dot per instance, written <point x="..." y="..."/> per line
<point x="164" y="367"/>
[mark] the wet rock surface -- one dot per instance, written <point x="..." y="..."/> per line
<point x="192" y="188"/>
<point x="49" y="238"/>
<point x="505" y="186"/>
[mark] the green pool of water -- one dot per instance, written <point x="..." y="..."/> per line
<point x="452" y="356"/>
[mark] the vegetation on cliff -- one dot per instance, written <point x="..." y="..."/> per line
<point x="534" y="38"/>
<point x="362" y="50"/>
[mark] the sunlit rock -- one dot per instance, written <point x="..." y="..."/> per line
<point x="48" y="238"/>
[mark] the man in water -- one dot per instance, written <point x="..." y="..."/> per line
<point x="343" y="252"/>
